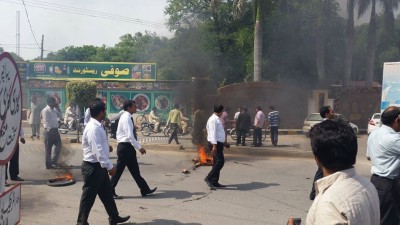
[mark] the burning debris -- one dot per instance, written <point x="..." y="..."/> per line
<point x="63" y="178"/>
<point x="205" y="159"/>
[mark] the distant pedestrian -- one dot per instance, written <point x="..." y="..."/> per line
<point x="243" y="124"/>
<point x="259" y="121"/>
<point x="126" y="151"/>
<point x="239" y="110"/>
<point x="383" y="149"/>
<point x="216" y="140"/>
<point x="273" y="121"/>
<point x="327" y="113"/>
<point x="52" y="137"/>
<point x="225" y="123"/>
<point x="174" y="121"/>
<point x="96" y="167"/>
<point x="34" y="117"/>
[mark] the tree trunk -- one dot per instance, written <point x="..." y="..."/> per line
<point x="349" y="42"/>
<point x="321" y="43"/>
<point x="371" y="46"/>
<point x="257" y="44"/>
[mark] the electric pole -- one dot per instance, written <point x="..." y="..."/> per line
<point x="41" y="48"/>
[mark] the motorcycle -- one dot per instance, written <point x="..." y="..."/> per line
<point x="64" y="128"/>
<point x="148" y="128"/>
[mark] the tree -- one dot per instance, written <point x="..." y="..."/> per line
<point x="81" y="92"/>
<point x="348" y="58"/>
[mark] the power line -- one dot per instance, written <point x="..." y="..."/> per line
<point x="30" y="25"/>
<point x="86" y="12"/>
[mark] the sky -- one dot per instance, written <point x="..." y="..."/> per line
<point x="75" y="27"/>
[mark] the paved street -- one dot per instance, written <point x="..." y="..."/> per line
<point x="265" y="185"/>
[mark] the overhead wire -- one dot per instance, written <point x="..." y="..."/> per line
<point x="86" y="12"/>
<point x="30" y="25"/>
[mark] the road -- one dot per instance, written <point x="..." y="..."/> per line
<point x="263" y="187"/>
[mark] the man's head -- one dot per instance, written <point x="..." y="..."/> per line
<point x="51" y="102"/>
<point x="334" y="145"/>
<point x="258" y="108"/>
<point x="130" y="106"/>
<point x="271" y="107"/>
<point x="97" y="110"/>
<point x="218" y="109"/>
<point x="176" y="106"/>
<point x="154" y="109"/>
<point x="390" y="117"/>
<point x="327" y="112"/>
<point x="245" y="110"/>
<point x="240" y="108"/>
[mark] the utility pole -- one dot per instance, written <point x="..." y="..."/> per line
<point x="18" y="35"/>
<point x="41" y="48"/>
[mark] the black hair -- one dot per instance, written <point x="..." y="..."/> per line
<point x="50" y="100"/>
<point x="334" y="144"/>
<point x="128" y="103"/>
<point x="245" y="109"/>
<point x="324" y="110"/>
<point x="259" y="108"/>
<point x="96" y="107"/>
<point x="389" y="115"/>
<point x="154" y="108"/>
<point x="176" y="106"/>
<point x="218" y="108"/>
<point x="271" y="107"/>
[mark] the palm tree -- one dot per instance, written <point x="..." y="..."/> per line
<point x="388" y="21"/>
<point x="349" y="42"/>
<point x="320" y="39"/>
<point x="371" y="39"/>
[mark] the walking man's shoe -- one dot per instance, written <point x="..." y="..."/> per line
<point x="208" y="182"/>
<point x="150" y="191"/>
<point x="17" y="178"/>
<point x="115" y="196"/>
<point x="118" y="219"/>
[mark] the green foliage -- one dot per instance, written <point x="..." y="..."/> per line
<point x="81" y="92"/>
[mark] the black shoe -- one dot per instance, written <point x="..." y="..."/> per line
<point x="150" y="191"/>
<point x="218" y="185"/>
<point x="115" y="196"/>
<point x="17" y="178"/>
<point x="208" y="182"/>
<point x="118" y="219"/>
<point x="244" y="145"/>
<point x="38" y="137"/>
<point x="178" y="143"/>
<point x="32" y="138"/>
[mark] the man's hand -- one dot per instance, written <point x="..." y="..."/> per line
<point x="214" y="150"/>
<point x="137" y="127"/>
<point x="22" y="140"/>
<point x="112" y="171"/>
<point x="290" y="221"/>
<point x="142" y="150"/>
<point x="110" y="148"/>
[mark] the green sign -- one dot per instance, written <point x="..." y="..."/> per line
<point x="91" y="70"/>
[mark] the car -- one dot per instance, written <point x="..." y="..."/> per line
<point x="315" y="118"/>
<point x="374" y="122"/>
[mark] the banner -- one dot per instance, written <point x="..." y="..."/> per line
<point x="53" y="70"/>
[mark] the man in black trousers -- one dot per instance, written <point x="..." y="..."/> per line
<point x="13" y="165"/>
<point x="126" y="150"/>
<point x="95" y="165"/>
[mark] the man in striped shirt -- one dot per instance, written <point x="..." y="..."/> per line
<point x="273" y="121"/>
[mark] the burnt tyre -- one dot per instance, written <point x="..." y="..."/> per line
<point x="233" y="134"/>
<point x="63" y="128"/>
<point x="60" y="182"/>
<point x="146" y="131"/>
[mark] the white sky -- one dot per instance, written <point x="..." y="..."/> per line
<point x="62" y="29"/>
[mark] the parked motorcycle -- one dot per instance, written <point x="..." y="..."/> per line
<point x="64" y="128"/>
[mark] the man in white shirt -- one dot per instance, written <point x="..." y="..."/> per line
<point x="343" y="196"/>
<point x="216" y="140"/>
<point x="96" y="164"/>
<point x="259" y="120"/>
<point x="383" y="149"/>
<point x="70" y="116"/>
<point x="153" y="118"/>
<point x="51" y="135"/>
<point x="126" y="150"/>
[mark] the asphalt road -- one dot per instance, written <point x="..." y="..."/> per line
<point x="265" y="185"/>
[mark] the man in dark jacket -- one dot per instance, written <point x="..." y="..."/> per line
<point x="243" y="124"/>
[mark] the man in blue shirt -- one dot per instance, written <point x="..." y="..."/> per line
<point x="383" y="148"/>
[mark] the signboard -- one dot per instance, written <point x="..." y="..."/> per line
<point x="58" y="70"/>
<point x="390" y="85"/>
<point x="10" y="107"/>
<point x="10" y="205"/>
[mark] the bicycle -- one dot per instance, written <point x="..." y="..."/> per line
<point x="168" y="131"/>
<point x="142" y="119"/>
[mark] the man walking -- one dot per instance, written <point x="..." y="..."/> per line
<point x="216" y="140"/>
<point x="259" y="120"/>
<point x="34" y="117"/>
<point x="95" y="165"/>
<point x="243" y="124"/>
<point x="383" y="148"/>
<point x="126" y="150"/>
<point x="174" y="119"/>
<point x="52" y="137"/>
<point x="273" y="121"/>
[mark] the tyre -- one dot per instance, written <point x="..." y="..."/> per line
<point x="141" y="119"/>
<point x="165" y="131"/>
<point x="81" y="129"/>
<point x="233" y="134"/>
<point x="146" y="131"/>
<point x="63" y="128"/>
<point x="60" y="182"/>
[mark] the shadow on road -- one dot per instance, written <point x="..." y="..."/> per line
<point x="169" y="194"/>
<point x="250" y="186"/>
<point x="162" y="222"/>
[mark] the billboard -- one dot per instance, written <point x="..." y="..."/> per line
<point x="390" y="85"/>
<point x="59" y="70"/>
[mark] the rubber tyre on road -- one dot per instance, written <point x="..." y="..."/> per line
<point x="63" y="128"/>
<point x="146" y="131"/>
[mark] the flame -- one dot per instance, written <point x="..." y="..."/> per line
<point x="66" y="176"/>
<point x="204" y="158"/>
